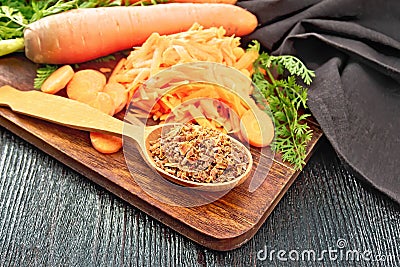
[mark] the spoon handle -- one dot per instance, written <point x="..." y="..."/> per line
<point x="59" y="110"/>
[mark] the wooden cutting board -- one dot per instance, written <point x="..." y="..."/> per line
<point x="224" y="224"/>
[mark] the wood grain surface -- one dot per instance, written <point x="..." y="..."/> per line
<point x="224" y="224"/>
<point x="51" y="215"/>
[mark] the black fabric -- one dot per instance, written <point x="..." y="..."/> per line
<point x="354" y="46"/>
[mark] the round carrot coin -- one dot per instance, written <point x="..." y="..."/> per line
<point x="257" y="128"/>
<point x="118" y="93"/>
<point x="105" y="143"/>
<point x="58" y="80"/>
<point x="85" y="84"/>
<point x="103" y="102"/>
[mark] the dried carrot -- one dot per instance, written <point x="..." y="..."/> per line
<point x="58" y="80"/>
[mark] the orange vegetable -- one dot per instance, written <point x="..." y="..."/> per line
<point x="118" y="94"/>
<point x="162" y="51"/>
<point x="117" y="68"/>
<point x="103" y="102"/>
<point x="89" y="86"/>
<point x="105" y="143"/>
<point x="205" y="103"/>
<point x="248" y="57"/>
<point x="84" y="34"/>
<point x="232" y="2"/>
<point x="85" y="84"/>
<point x="105" y="70"/>
<point x="210" y="91"/>
<point x="257" y="128"/>
<point x="58" y="80"/>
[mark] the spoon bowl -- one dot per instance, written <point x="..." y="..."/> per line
<point x="157" y="131"/>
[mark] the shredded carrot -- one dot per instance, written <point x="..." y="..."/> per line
<point x="200" y="102"/>
<point x="105" y="70"/>
<point x="162" y="51"/>
<point x="117" y="68"/>
<point x="246" y="60"/>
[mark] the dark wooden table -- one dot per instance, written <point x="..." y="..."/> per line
<point x="52" y="216"/>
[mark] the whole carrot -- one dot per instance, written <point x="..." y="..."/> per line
<point x="84" y="34"/>
<point x="232" y="2"/>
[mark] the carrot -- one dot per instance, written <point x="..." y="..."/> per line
<point x="203" y="92"/>
<point x="90" y="91"/>
<point x="189" y="46"/>
<point x="118" y="94"/>
<point x="257" y="128"/>
<point x="85" y="84"/>
<point x="103" y="102"/>
<point x="58" y="80"/>
<point x="104" y="143"/>
<point x="232" y="2"/>
<point x="105" y="70"/>
<point x="84" y="34"/>
<point x="248" y="57"/>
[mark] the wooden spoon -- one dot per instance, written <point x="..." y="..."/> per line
<point x="73" y="114"/>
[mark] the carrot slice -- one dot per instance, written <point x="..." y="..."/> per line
<point x="105" y="143"/>
<point x="118" y="94"/>
<point x="85" y="84"/>
<point x="103" y="102"/>
<point x="58" y="80"/>
<point x="257" y="128"/>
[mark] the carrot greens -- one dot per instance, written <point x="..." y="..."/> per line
<point x="42" y="74"/>
<point x="285" y="96"/>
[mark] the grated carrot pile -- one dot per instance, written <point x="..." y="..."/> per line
<point x="161" y="52"/>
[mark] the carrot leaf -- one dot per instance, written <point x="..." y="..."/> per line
<point x="278" y="82"/>
<point x="42" y="74"/>
<point x="149" y="2"/>
<point x="12" y="23"/>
